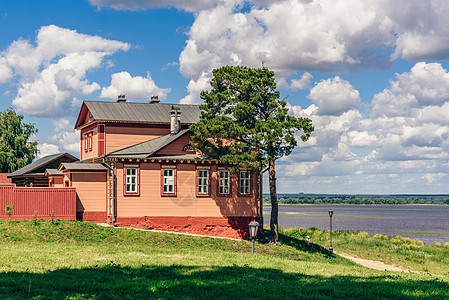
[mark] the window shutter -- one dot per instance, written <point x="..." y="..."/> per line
<point x="175" y="175"/>
<point x="162" y="181"/>
<point x="138" y="180"/>
<point x="196" y="183"/>
<point x="209" y="190"/>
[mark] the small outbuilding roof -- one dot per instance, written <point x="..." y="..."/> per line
<point x="40" y="163"/>
<point x="82" y="166"/>
<point x="158" y="113"/>
<point x="52" y="172"/>
<point x="148" y="148"/>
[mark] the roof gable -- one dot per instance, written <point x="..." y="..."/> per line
<point x="134" y="112"/>
<point x="148" y="148"/>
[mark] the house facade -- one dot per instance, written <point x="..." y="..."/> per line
<point x="138" y="169"/>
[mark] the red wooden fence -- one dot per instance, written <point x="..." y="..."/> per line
<point x="38" y="202"/>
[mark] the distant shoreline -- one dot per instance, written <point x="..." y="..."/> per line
<point x="329" y="199"/>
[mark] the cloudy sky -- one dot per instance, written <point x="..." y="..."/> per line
<point x="372" y="75"/>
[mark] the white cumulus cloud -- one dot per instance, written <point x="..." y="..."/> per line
<point x="334" y="96"/>
<point x="296" y="84"/>
<point x="137" y="87"/>
<point x="426" y="85"/>
<point x="53" y="72"/>
<point x="187" y="5"/>
<point x="64" y="139"/>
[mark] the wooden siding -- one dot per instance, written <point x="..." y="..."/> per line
<point x="118" y="137"/>
<point x="186" y="203"/>
<point x="89" y="153"/>
<point x="58" y="181"/>
<point x="175" y="148"/>
<point x="90" y="189"/>
<point x="38" y="202"/>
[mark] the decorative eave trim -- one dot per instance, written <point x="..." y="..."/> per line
<point x="125" y="122"/>
<point x="161" y="160"/>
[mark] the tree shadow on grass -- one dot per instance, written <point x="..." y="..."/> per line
<point x="303" y="246"/>
<point x="298" y="244"/>
<point x="118" y="282"/>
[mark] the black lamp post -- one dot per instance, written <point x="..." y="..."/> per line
<point x="331" y="213"/>
<point x="253" y="226"/>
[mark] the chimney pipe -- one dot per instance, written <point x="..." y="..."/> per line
<point x="175" y="120"/>
<point x="154" y="99"/>
<point x="121" y="98"/>
<point x="172" y="122"/>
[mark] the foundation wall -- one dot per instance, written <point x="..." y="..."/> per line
<point x="230" y="227"/>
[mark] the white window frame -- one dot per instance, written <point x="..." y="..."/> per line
<point x="131" y="180"/>
<point x="168" y="181"/>
<point x="203" y="182"/>
<point x="245" y="183"/>
<point x="224" y="183"/>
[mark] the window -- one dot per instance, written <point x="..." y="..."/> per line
<point x="90" y="141"/>
<point x="86" y="146"/>
<point x="168" y="186"/>
<point x="223" y="183"/>
<point x="203" y="182"/>
<point x="131" y="180"/>
<point x="244" y="183"/>
<point x="187" y="148"/>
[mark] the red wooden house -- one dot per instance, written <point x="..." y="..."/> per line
<point x="138" y="169"/>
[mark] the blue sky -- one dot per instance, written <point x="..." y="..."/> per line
<point x="372" y="76"/>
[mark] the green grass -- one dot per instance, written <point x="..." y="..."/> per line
<point x="80" y="260"/>
<point x="409" y="253"/>
<point x="417" y="232"/>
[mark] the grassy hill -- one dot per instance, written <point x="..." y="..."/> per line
<point x="81" y="260"/>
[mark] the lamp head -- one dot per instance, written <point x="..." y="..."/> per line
<point x="253" y="226"/>
<point x="331" y="212"/>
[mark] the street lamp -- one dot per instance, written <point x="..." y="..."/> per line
<point x="331" y="213"/>
<point x="253" y="226"/>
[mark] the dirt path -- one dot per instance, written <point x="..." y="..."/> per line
<point x="377" y="265"/>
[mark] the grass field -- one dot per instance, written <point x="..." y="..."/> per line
<point x="80" y="260"/>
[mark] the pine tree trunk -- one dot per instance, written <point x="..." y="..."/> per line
<point x="274" y="203"/>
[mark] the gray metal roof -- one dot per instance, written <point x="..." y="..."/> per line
<point x="37" y="164"/>
<point x="53" y="172"/>
<point x="83" y="166"/>
<point x="141" y="112"/>
<point x="148" y="148"/>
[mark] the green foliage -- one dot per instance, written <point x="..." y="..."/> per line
<point x="243" y="121"/>
<point x="359" y="199"/>
<point x="8" y="209"/>
<point x="16" y="150"/>
<point x="80" y="260"/>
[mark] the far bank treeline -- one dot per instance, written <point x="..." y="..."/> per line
<point x="360" y="199"/>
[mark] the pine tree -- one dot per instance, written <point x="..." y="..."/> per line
<point x="246" y="125"/>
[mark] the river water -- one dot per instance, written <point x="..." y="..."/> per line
<point x="429" y="223"/>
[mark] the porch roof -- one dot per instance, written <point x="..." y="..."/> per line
<point x="82" y="166"/>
